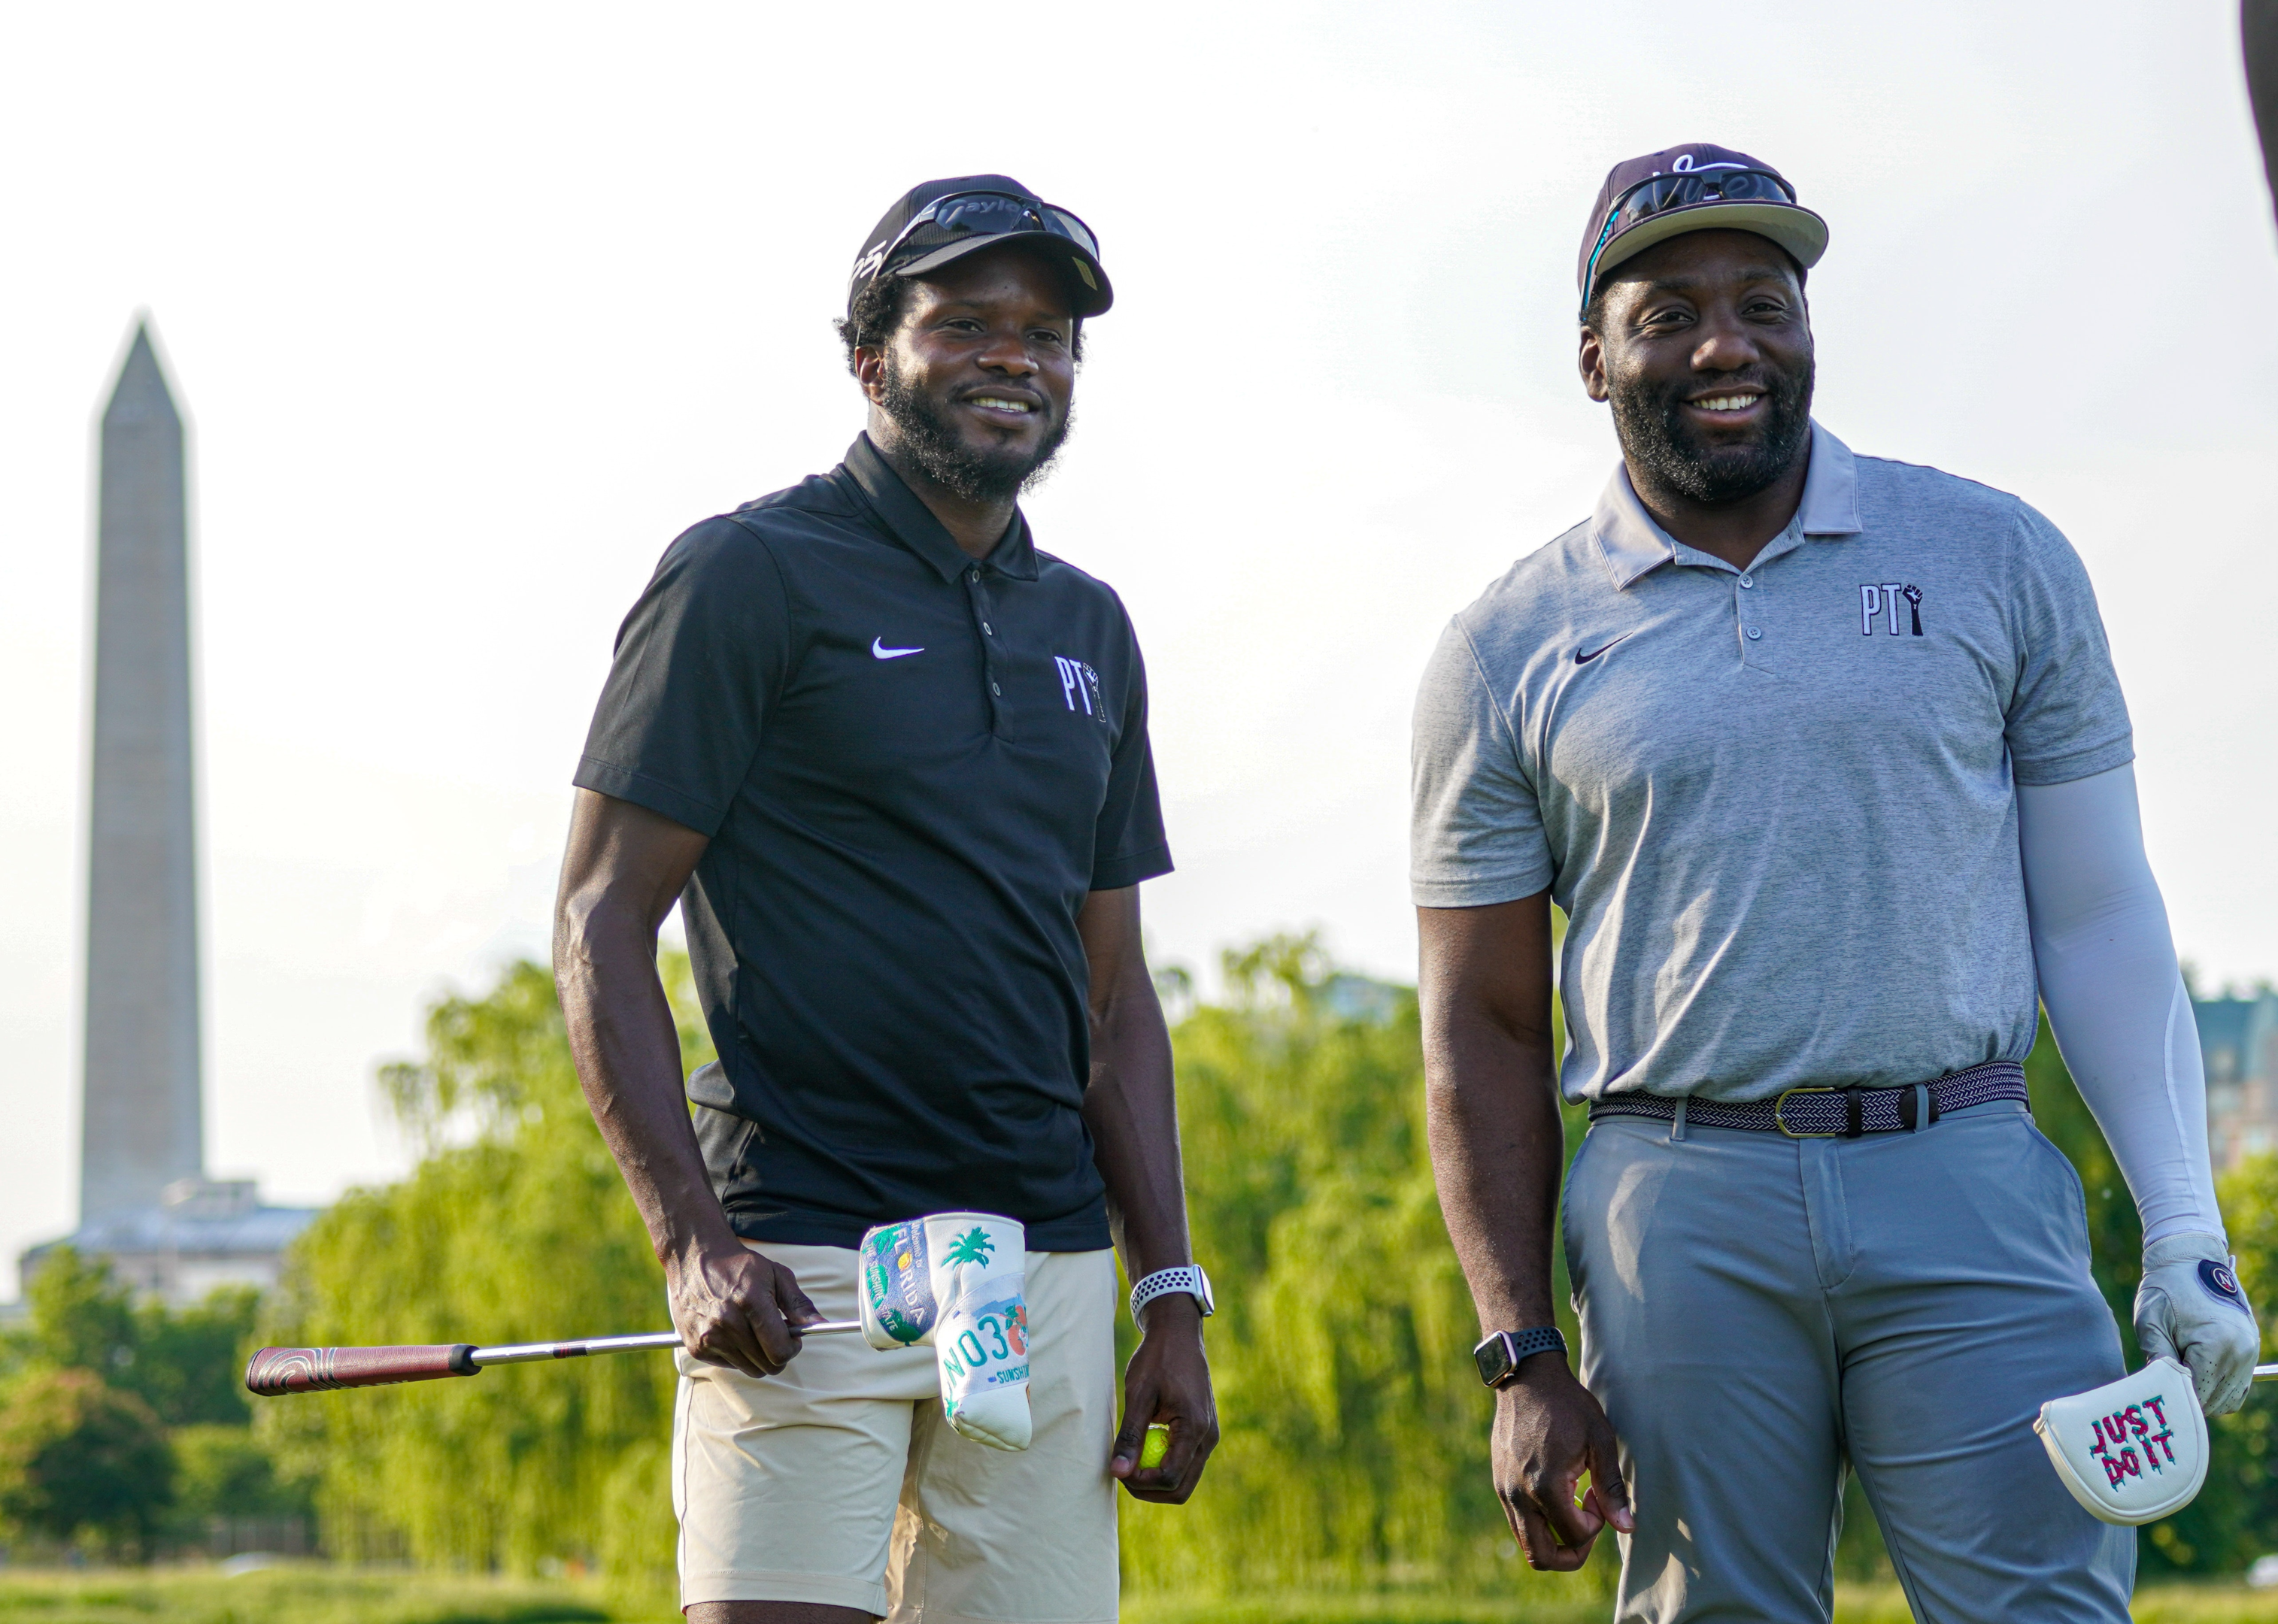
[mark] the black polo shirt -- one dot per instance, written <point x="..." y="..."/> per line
<point x="913" y="768"/>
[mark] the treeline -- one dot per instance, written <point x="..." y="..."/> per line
<point x="1355" y="1434"/>
<point x="515" y="1227"/>
<point x="124" y="1429"/>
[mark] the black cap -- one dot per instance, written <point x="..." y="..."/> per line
<point x="887" y="251"/>
<point x="1801" y="232"/>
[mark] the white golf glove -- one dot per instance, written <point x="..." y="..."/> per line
<point x="2190" y="1308"/>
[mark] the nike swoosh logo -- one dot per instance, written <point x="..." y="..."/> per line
<point x="1581" y="658"/>
<point x="879" y="651"/>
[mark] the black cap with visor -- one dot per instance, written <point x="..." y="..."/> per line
<point x="931" y="225"/>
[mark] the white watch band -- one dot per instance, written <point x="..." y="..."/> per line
<point x="1188" y="1277"/>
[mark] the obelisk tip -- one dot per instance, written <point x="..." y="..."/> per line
<point x="141" y="395"/>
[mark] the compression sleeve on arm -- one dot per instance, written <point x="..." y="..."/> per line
<point x="2114" y="996"/>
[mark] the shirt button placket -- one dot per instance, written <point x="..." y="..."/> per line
<point x="977" y="597"/>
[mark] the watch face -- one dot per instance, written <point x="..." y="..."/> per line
<point x="1494" y="1358"/>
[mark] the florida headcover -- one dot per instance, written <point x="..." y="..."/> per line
<point x="954" y="1281"/>
<point x="2131" y="1451"/>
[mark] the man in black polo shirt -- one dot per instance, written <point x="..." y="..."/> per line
<point x="892" y="761"/>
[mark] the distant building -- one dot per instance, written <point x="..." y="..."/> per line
<point x="203" y="1234"/>
<point x="144" y="1200"/>
<point x="2238" y="1040"/>
<point x="1363" y="998"/>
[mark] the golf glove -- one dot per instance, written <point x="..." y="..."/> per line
<point x="2190" y="1308"/>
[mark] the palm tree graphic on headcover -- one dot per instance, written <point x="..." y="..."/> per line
<point x="973" y="1247"/>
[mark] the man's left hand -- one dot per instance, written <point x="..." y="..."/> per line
<point x="1167" y="1384"/>
<point x="2190" y="1308"/>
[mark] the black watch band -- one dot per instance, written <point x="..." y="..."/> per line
<point x="1499" y="1354"/>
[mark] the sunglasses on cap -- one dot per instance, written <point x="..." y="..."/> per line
<point x="1659" y="194"/>
<point x="984" y="213"/>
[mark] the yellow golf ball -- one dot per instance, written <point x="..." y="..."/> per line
<point x="1158" y="1445"/>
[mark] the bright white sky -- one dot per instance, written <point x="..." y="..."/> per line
<point x="474" y="308"/>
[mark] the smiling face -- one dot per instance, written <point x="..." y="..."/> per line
<point x="1702" y="344"/>
<point x="975" y="384"/>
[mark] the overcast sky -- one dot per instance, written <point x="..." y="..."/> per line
<point x="473" y="309"/>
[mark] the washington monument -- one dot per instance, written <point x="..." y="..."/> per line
<point x="142" y="1128"/>
<point x="146" y="1206"/>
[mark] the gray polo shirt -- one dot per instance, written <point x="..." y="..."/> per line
<point x="1776" y="805"/>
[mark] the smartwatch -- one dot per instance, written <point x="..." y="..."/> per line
<point x="1189" y="1278"/>
<point x="1499" y="1355"/>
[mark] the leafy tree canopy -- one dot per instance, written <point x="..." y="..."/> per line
<point x="78" y="1457"/>
<point x="1354" y="1431"/>
<point x="515" y="1227"/>
<point x="185" y="1364"/>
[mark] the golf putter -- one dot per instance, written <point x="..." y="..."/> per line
<point x="952" y="1282"/>
<point x="273" y="1372"/>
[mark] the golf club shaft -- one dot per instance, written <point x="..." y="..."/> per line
<point x="275" y="1372"/>
<point x="526" y="1353"/>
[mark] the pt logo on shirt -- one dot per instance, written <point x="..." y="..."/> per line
<point x="1079" y="687"/>
<point x="1880" y="601"/>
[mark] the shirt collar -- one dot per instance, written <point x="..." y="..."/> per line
<point x="913" y="525"/>
<point x="1632" y="543"/>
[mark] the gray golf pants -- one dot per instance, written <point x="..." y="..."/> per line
<point x="1758" y="1310"/>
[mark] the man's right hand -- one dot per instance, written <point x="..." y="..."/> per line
<point x="1548" y="1432"/>
<point x="734" y="1306"/>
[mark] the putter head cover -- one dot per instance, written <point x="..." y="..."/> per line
<point x="898" y="1305"/>
<point x="954" y="1281"/>
<point x="2132" y="1451"/>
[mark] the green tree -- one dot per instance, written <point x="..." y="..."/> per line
<point x="177" y="1373"/>
<point x="515" y="1227"/>
<point x="1354" y="1447"/>
<point x="1354" y="1433"/>
<point x="189" y="1363"/>
<point x="80" y="1459"/>
<point x="223" y="1472"/>
<point x="186" y="1364"/>
<point x="81" y="1317"/>
<point x="2234" y="1518"/>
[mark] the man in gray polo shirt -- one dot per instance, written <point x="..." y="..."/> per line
<point x="1823" y="759"/>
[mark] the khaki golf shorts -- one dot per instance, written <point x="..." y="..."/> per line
<point x="838" y="1482"/>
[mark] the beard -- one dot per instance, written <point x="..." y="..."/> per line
<point x="931" y="439"/>
<point x="1659" y="441"/>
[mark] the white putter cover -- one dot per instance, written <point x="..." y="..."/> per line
<point x="954" y="1281"/>
<point x="2131" y="1451"/>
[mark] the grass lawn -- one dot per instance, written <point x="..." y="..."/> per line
<point x="310" y="1593"/>
<point x="313" y="1593"/>
<point x="1854" y="1605"/>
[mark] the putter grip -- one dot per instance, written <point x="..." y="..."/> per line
<point x="274" y="1371"/>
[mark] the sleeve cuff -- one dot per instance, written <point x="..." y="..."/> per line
<point x="2079" y="764"/>
<point x="623" y="785"/>
<point x="1118" y="872"/>
<point x="1475" y="890"/>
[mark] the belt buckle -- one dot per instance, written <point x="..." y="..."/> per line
<point x="1779" y="1104"/>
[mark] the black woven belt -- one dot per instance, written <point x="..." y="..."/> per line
<point x="1831" y="1113"/>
